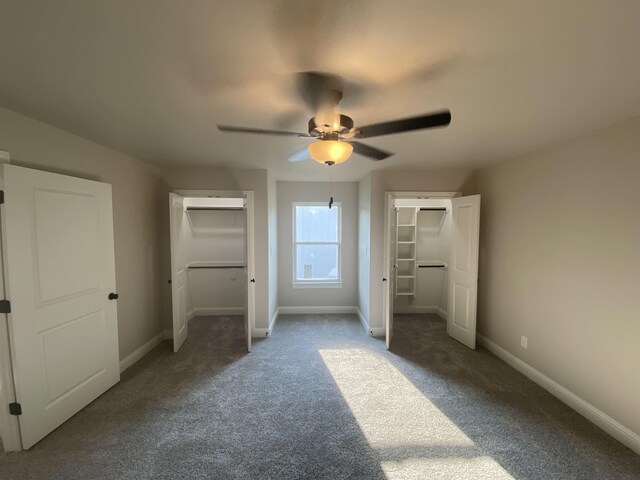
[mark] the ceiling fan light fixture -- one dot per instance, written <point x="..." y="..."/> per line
<point x="330" y="152"/>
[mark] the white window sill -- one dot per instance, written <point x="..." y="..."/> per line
<point x="316" y="284"/>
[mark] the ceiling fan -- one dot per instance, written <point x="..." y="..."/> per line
<point x="334" y="132"/>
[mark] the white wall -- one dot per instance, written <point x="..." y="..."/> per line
<point x="273" y="246"/>
<point x="347" y="194"/>
<point x="433" y="243"/>
<point x="560" y="263"/>
<point x="382" y="181"/>
<point x="139" y="215"/>
<point x="211" y="178"/>
<point x="364" y="247"/>
<point x="215" y="236"/>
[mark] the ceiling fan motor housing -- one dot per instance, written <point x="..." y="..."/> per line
<point x="327" y="131"/>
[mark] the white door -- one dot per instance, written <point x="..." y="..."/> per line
<point x="250" y="281"/>
<point x="389" y="271"/>
<point x="178" y="270"/>
<point x="463" y="273"/>
<point x="60" y="274"/>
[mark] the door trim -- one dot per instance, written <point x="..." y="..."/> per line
<point x="9" y="425"/>
<point x="248" y="195"/>
<point x="386" y="246"/>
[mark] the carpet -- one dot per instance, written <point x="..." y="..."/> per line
<point x="321" y="400"/>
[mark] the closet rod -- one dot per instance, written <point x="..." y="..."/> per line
<point x="433" y="209"/>
<point x="432" y="266"/>
<point x="215" y="266"/>
<point x="214" y="208"/>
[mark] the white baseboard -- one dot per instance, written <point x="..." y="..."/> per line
<point x="138" y="353"/>
<point x="596" y="416"/>
<point x="377" y="331"/>
<point x="316" y="310"/>
<point x="363" y="321"/>
<point x="374" y="332"/>
<point x="416" y="309"/>
<point x="423" y="309"/>
<point x="272" y="323"/>
<point x="260" y="333"/>
<point x="266" y="332"/>
<point x="210" y="311"/>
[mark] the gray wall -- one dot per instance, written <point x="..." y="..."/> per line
<point x="209" y="178"/>
<point x="560" y="263"/>
<point x="364" y="250"/>
<point x="273" y="245"/>
<point x="347" y="194"/>
<point x="139" y="214"/>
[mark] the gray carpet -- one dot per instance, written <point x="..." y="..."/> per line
<point x="320" y="400"/>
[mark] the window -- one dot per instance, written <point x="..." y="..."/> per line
<point x="316" y="244"/>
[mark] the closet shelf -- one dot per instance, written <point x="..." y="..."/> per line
<point x="406" y="276"/>
<point x="406" y="259"/>
<point x="195" y="265"/>
<point x="227" y="209"/>
<point x="406" y="224"/>
<point x="432" y="264"/>
<point x="405" y="292"/>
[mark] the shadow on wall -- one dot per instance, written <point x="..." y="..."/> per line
<point x="60" y="171"/>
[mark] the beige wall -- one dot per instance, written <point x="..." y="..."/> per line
<point x="453" y="180"/>
<point x="364" y="247"/>
<point x="560" y="263"/>
<point x="347" y="194"/>
<point x="212" y="178"/>
<point x="273" y="246"/>
<point x="139" y="211"/>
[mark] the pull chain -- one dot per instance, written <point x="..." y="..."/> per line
<point x="331" y="187"/>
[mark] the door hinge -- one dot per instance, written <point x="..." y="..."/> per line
<point x="15" y="408"/>
<point x="1" y="196"/>
<point x="5" y="306"/>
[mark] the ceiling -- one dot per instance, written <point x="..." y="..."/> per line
<point x="152" y="78"/>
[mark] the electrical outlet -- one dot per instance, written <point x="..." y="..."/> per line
<point x="523" y="341"/>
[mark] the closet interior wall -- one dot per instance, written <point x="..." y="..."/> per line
<point x="215" y="256"/>
<point x="431" y="248"/>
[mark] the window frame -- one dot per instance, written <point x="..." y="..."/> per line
<point x="316" y="283"/>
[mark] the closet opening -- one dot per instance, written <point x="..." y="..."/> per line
<point x="431" y="263"/>
<point x="212" y="262"/>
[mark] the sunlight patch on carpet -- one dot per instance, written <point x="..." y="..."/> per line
<point x="412" y="436"/>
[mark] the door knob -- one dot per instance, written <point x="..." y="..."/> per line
<point x="113" y="296"/>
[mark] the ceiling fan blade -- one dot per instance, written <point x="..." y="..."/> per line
<point x="439" y="119"/>
<point x="227" y="128"/>
<point x="300" y="155"/>
<point x="371" y="152"/>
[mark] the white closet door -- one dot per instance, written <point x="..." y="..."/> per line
<point x="463" y="274"/>
<point x="178" y="270"/>
<point x="250" y="283"/>
<point x="390" y="270"/>
<point x="60" y="272"/>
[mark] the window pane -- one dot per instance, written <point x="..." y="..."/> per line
<point x="316" y="262"/>
<point x="316" y="223"/>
